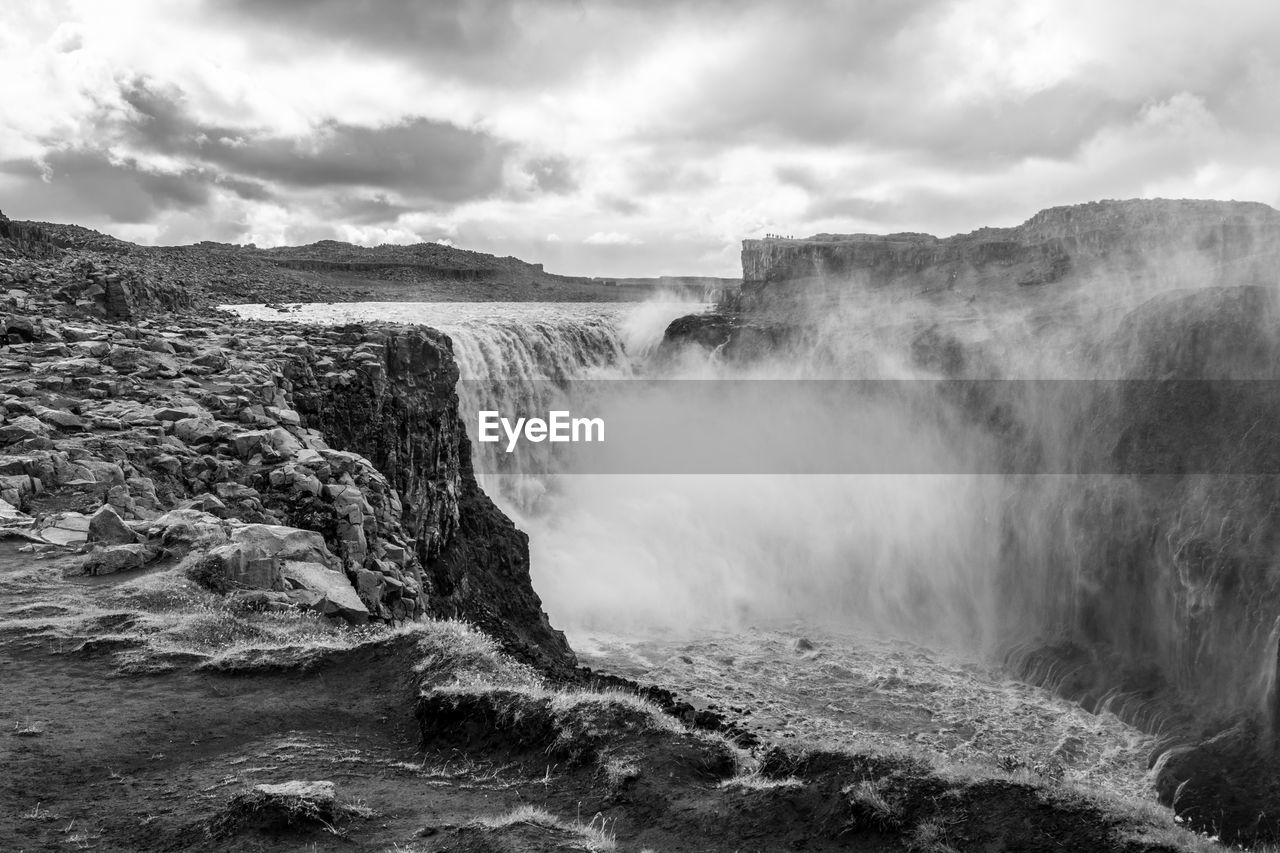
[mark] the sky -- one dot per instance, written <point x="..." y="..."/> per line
<point x="623" y="137"/>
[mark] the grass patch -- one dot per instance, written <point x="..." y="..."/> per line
<point x="595" y="835"/>
<point x="618" y="770"/>
<point x="871" y="806"/>
<point x="753" y="781"/>
<point x="933" y="835"/>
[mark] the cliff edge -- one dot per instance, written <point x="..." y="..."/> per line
<point x="291" y="467"/>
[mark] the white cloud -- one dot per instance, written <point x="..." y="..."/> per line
<point x="726" y="120"/>
<point x="611" y="238"/>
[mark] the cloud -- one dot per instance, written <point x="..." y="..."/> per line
<point x="552" y="174"/>
<point x="122" y="190"/>
<point x="417" y="156"/>
<point x="626" y="127"/>
<point x="611" y="238"/>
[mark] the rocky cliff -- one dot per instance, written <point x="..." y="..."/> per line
<point x="1148" y="583"/>
<point x="291" y="467"/>
<point x="1197" y="242"/>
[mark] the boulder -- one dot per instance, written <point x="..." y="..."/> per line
<point x="187" y="529"/>
<point x="285" y="543"/>
<point x="60" y="419"/>
<point x="107" y="527"/>
<point x="177" y="413"/>
<point x="22" y="429"/>
<point x="102" y="471"/>
<point x="339" y="597"/>
<point x="21" y="329"/>
<point x="195" y="430"/>
<point x="11" y="516"/>
<point x="238" y="565"/>
<point x="64" y="528"/>
<point x="117" y="558"/>
<point x="246" y="444"/>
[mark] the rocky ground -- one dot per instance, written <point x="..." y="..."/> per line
<point x="231" y="556"/>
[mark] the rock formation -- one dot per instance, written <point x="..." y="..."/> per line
<point x="1230" y="242"/>
<point x="291" y="466"/>
<point x="1148" y="583"/>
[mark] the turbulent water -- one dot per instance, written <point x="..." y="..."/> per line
<point x="699" y="582"/>
<point x="910" y="555"/>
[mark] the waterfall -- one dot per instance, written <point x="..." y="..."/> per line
<point x="906" y="555"/>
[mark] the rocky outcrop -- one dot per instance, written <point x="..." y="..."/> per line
<point x="290" y="466"/>
<point x="1231" y="242"/>
<point x="395" y="401"/>
<point x="1147" y="582"/>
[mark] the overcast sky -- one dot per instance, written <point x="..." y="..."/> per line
<point x="639" y="137"/>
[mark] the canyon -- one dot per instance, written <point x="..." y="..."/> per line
<point x="1122" y="356"/>
<point x="206" y="516"/>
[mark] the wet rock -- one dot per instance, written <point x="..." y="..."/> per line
<point x="1225" y="784"/>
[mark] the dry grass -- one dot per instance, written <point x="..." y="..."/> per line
<point x="753" y="781"/>
<point x="453" y="653"/>
<point x="869" y="802"/>
<point x="618" y="770"/>
<point x="595" y="838"/>
<point x="932" y="835"/>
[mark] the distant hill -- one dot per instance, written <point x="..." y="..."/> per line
<point x="330" y="271"/>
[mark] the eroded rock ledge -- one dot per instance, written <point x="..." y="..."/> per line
<point x="291" y="466"/>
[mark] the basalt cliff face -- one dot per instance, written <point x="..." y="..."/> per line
<point x="1147" y="581"/>
<point x="1199" y="242"/>
<point x="289" y="466"/>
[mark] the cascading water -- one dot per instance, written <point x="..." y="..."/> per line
<point x="908" y="555"/>
<point x="645" y="571"/>
<point x="905" y="555"/>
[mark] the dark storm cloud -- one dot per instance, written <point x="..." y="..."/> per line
<point x="79" y="180"/>
<point x="419" y="157"/>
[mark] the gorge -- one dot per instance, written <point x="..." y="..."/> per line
<point x="1094" y="509"/>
